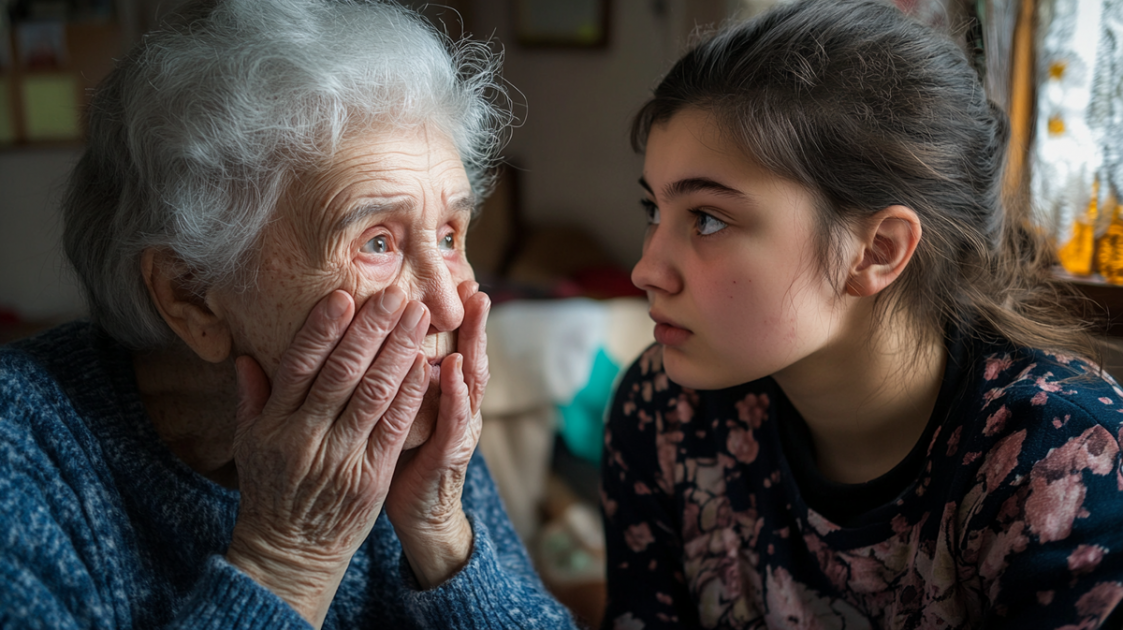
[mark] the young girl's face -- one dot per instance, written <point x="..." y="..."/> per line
<point x="729" y="262"/>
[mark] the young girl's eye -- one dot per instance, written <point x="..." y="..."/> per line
<point x="447" y="242"/>
<point x="651" y="210"/>
<point x="376" y="245"/>
<point x="707" y="224"/>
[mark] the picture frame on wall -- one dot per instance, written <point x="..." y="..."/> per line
<point x="562" y="23"/>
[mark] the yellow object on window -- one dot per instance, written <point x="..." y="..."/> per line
<point x="1056" y="125"/>
<point x="1076" y="255"/>
<point x="1109" y="248"/>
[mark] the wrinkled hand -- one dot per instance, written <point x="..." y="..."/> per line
<point x="424" y="500"/>
<point x="316" y="453"/>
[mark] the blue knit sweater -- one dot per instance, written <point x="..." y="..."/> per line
<point x="102" y="527"/>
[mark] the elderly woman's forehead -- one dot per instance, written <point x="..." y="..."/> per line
<point x="384" y="152"/>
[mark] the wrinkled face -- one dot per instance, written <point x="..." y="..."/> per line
<point x="392" y="207"/>
<point x="729" y="263"/>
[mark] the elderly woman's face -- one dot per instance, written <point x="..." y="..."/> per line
<point x="392" y="207"/>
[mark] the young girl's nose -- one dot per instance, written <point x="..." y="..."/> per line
<point x="655" y="270"/>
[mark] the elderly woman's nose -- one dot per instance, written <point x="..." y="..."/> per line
<point x="435" y="287"/>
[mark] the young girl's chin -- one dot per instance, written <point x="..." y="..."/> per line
<point x="684" y="372"/>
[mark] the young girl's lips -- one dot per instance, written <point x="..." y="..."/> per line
<point x="670" y="335"/>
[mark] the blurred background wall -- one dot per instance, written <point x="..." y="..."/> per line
<point x="571" y="153"/>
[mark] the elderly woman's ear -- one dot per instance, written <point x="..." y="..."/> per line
<point x="194" y="318"/>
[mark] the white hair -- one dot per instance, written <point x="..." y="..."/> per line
<point x="197" y="132"/>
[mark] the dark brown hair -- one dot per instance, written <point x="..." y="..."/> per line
<point x="868" y="109"/>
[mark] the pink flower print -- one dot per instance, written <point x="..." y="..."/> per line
<point x="996" y="366"/>
<point x="1119" y="469"/>
<point x="993" y="395"/>
<point x="820" y="524"/>
<point x="683" y="410"/>
<point x="1053" y="506"/>
<point x="691" y="519"/>
<point x="629" y="408"/>
<point x="1000" y="546"/>
<point x="742" y="445"/>
<point x="666" y="450"/>
<point x="1094" y="449"/>
<point x="752" y="409"/>
<point x="638" y="537"/>
<point x="707" y="475"/>
<point x="953" y="440"/>
<point x="772" y="480"/>
<point x="1057" y="487"/>
<point x="719" y="570"/>
<point x="641" y="488"/>
<point x="644" y="419"/>
<point x="1085" y="558"/>
<point x="1002" y="459"/>
<point x="664" y="599"/>
<point x="793" y="606"/>
<point x="627" y="621"/>
<point x="1063" y="359"/>
<point x="648" y="389"/>
<point x="1100" y="601"/>
<point x="1107" y="401"/>
<point x="1045" y="597"/>
<point x="1044" y="385"/>
<point x="867" y="575"/>
<point x="716" y="514"/>
<point x="900" y="524"/>
<point x="996" y="421"/>
<point x="830" y="562"/>
<point x="651" y="360"/>
<point x="1040" y="398"/>
<point x="661" y="382"/>
<point x="712" y="604"/>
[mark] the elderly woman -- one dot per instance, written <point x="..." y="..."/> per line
<point x="270" y="420"/>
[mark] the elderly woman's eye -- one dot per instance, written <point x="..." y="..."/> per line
<point x="376" y="245"/>
<point x="448" y="242"/>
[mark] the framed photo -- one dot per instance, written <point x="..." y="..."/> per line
<point x="562" y="23"/>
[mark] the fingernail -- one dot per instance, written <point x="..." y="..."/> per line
<point x="336" y="305"/>
<point x="412" y="315"/>
<point x="390" y="301"/>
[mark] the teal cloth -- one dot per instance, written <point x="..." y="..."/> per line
<point x="582" y="420"/>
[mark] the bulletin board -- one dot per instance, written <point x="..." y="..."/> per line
<point x="50" y="61"/>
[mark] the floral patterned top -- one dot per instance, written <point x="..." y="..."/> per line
<point x="1007" y="514"/>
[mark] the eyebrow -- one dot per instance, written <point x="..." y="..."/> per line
<point x="694" y="184"/>
<point x="460" y="204"/>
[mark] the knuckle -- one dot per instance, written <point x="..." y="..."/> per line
<point x="392" y="427"/>
<point x="345" y="366"/>
<point x="376" y="388"/>
<point x="413" y="388"/>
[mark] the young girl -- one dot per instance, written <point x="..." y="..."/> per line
<point x="864" y="409"/>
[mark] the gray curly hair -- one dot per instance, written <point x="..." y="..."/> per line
<point x="198" y="131"/>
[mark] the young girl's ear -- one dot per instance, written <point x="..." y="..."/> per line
<point x="887" y="243"/>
